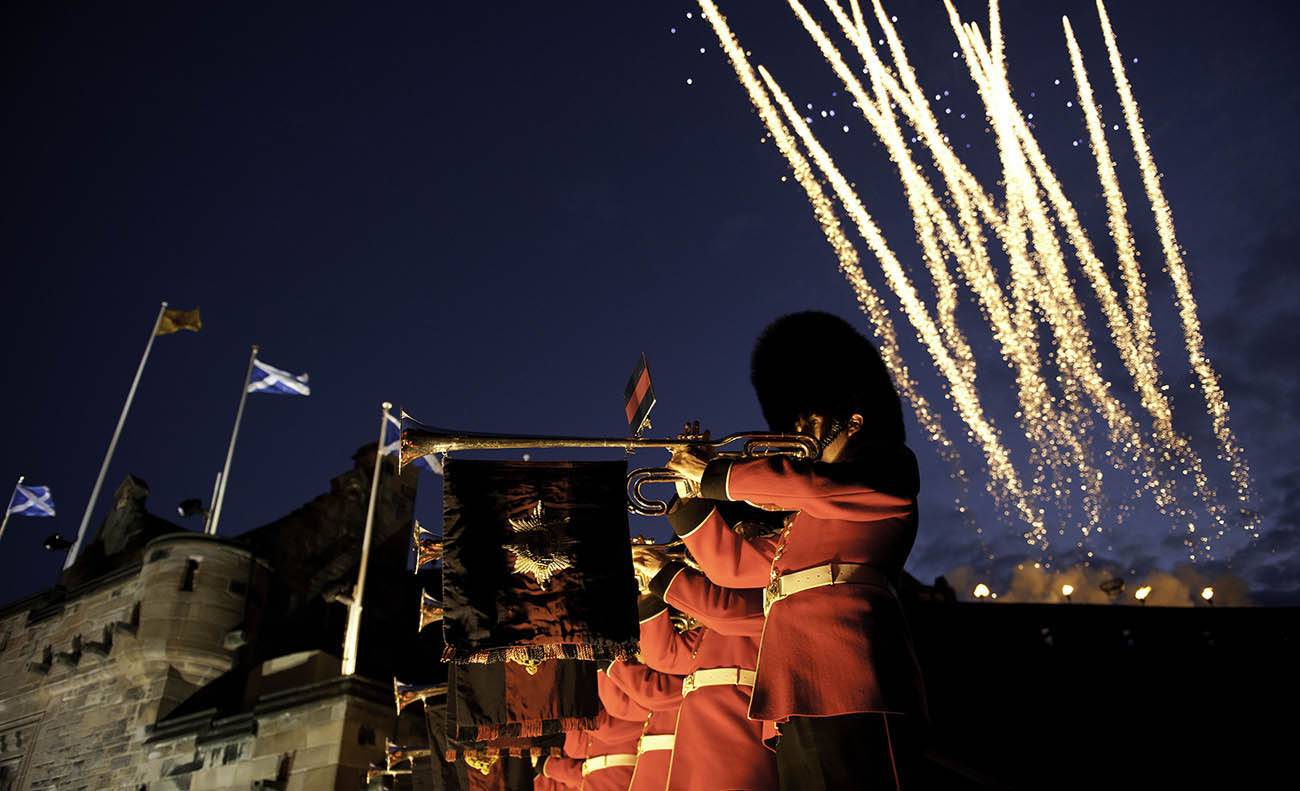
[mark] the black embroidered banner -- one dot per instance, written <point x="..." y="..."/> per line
<point x="505" y="707"/>
<point x="537" y="562"/>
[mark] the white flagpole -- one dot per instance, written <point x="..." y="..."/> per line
<point x="230" y="452"/>
<point x="212" y="503"/>
<point x="354" y="606"/>
<point x="5" y="522"/>
<point x="112" y="445"/>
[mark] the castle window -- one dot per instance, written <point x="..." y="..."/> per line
<point x="238" y="587"/>
<point x="191" y="569"/>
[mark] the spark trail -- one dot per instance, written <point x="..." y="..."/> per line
<point x="1032" y="310"/>
<point x="1211" y="390"/>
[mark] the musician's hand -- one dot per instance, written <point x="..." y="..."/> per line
<point x="688" y="465"/>
<point x="647" y="561"/>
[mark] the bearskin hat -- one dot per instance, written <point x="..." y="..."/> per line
<point x="817" y="363"/>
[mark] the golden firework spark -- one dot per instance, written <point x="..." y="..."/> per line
<point x="824" y="212"/>
<point x="1056" y="410"/>
<point x="1211" y="390"/>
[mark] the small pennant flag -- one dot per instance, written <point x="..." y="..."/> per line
<point x="174" y="320"/>
<point x="393" y="444"/>
<point x="269" y="379"/>
<point x="639" y="398"/>
<point x="31" y="501"/>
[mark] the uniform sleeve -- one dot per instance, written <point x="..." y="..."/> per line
<point x="650" y="688"/>
<point x="565" y="771"/>
<point x="821" y="490"/>
<point x="726" y="558"/>
<point x="577" y="744"/>
<point x="617" y="702"/>
<point x="664" y="648"/>
<point x="730" y="611"/>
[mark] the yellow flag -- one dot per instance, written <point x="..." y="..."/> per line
<point x="174" y="320"/>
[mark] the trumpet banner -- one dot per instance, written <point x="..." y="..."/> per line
<point x="505" y="707"/>
<point x="456" y="766"/>
<point x="537" y="562"/>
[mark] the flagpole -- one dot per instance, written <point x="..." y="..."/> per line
<point x="212" y="503"/>
<point x="112" y="445"/>
<point x="230" y="452"/>
<point x="5" y="522"/>
<point x="354" y="606"/>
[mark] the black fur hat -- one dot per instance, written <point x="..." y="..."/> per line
<point x="814" y="362"/>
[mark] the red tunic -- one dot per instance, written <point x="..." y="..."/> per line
<point x="610" y="736"/>
<point x="717" y="746"/>
<point x="661" y="693"/>
<point x="831" y="650"/>
<point x="559" y="772"/>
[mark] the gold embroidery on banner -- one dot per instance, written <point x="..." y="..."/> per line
<point x="542" y="548"/>
<point x="480" y="762"/>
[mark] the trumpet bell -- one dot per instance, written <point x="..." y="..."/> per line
<point x="397" y="754"/>
<point x="428" y="548"/>
<point x="375" y="772"/>
<point x="406" y="694"/>
<point x="431" y="610"/>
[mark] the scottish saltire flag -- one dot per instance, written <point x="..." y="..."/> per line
<point x="269" y="379"/>
<point x="31" y="501"/>
<point x="393" y="444"/>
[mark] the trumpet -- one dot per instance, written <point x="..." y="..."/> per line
<point x="406" y="694"/>
<point x="396" y="754"/>
<point x="375" y="772"/>
<point x="431" y="610"/>
<point x="428" y="547"/>
<point x="418" y="441"/>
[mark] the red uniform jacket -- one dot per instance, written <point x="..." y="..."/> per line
<point x="610" y="736"/>
<point x="831" y="650"/>
<point x="717" y="746"/>
<point x="661" y="694"/>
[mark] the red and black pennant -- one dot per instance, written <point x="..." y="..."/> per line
<point x="639" y="397"/>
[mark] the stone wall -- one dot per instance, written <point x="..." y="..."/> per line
<point x="87" y="671"/>
<point x="82" y="678"/>
<point x="319" y="735"/>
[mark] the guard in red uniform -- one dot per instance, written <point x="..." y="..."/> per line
<point x="716" y="745"/>
<point x="600" y="759"/>
<point x="836" y="668"/>
<point x="661" y="695"/>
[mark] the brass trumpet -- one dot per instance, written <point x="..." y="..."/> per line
<point x="375" y="772"/>
<point x="397" y="754"/>
<point x="406" y="694"/>
<point x="418" y="441"/>
<point x="430" y="609"/>
<point x="428" y="547"/>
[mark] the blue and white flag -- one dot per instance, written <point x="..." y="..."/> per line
<point x="269" y="379"/>
<point x="393" y="444"/>
<point x="31" y="501"/>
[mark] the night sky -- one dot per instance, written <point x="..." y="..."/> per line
<point x="485" y="213"/>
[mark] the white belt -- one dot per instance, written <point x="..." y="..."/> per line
<point x="596" y="763"/>
<point x="658" y="741"/>
<point x="717" y="676"/>
<point x="820" y="576"/>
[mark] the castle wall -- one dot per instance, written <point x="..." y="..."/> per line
<point x="321" y="743"/>
<point x="182" y="661"/>
<point x="83" y="678"/>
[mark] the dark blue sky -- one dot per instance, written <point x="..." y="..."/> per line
<point x="485" y="213"/>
